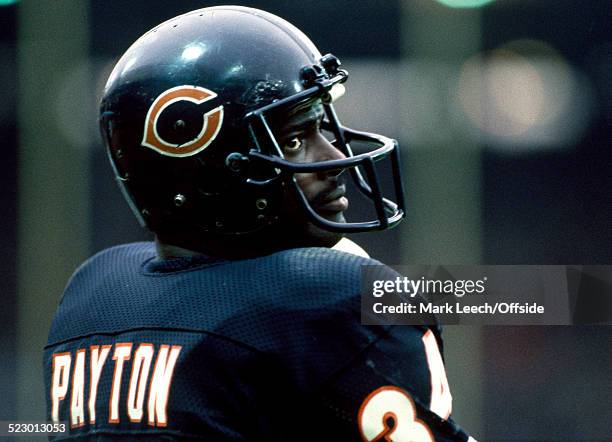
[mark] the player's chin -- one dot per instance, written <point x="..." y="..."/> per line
<point x="336" y="217"/>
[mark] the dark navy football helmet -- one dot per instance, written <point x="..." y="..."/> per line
<point x="188" y="116"/>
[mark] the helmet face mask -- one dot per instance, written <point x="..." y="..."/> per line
<point x="361" y="167"/>
<point x="192" y="129"/>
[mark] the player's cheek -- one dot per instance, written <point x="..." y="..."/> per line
<point x="307" y="182"/>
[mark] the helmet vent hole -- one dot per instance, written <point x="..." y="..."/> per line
<point x="261" y="203"/>
<point x="179" y="200"/>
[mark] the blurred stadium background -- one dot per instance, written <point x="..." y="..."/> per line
<point x="503" y="110"/>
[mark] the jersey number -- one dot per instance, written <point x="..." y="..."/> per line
<point x="441" y="399"/>
<point x="389" y="413"/>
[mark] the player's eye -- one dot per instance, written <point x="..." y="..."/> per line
<point x="293" y="145"/>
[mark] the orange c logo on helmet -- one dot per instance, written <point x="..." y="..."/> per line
<point x="211" y="124"/>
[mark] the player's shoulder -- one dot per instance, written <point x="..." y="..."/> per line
<point x="323" y="269"/>
<point x="308" y="295"/>
<point x="309" y="286"/>
<point x="345" y="259"/>
<point x="321" y="258"/>
<point x="107" y="261"/>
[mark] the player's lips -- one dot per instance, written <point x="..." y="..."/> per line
<point x="333" y="201"/>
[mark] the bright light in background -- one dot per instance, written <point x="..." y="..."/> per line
<point x="8" y="2"/>
<point x="465" y="3"/>
<point x="503" y="95"/>
<point x="524" y="95"/>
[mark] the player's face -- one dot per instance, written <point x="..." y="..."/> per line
<point x="303" y="142"/>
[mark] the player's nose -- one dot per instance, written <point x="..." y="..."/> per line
<point x="326" y="151"/>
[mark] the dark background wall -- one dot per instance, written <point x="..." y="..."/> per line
<point x="541" y="184"/>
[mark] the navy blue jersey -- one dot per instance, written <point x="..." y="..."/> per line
<point x="264" y="349"/>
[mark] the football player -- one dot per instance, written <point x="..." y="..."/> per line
<point x="241" y="322"/>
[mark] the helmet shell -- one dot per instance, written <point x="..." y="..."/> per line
<point x="238" y="59"/>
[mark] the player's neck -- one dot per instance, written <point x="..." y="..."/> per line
<point x="169" y="251"/>
<point x="228" y="248"/>
<point x="188" y="243"/>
